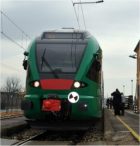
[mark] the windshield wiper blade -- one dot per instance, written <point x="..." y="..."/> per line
<point x="47" y="64"/>
<point x="43" y="58"/>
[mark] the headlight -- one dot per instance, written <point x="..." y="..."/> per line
<point x="36" y="84"/>
<point x="76" y="84"/>
<point x="79" y="84"/>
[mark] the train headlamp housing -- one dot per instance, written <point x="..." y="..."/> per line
<point x="76" y="84"/>
<point x="79" y="84"/>
<point x="35" y="84"/>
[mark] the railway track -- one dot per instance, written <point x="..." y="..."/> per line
<point x="91" y="135"/>
<point x="53" y="138"/>
<point x="23" y="142"/>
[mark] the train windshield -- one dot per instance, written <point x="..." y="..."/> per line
<point x="59" y="59"/>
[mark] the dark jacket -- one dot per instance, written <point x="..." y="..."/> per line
<point x="116" y="98"/>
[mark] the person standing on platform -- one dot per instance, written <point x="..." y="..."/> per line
<point x="122" y="104"/>
<point x="116" y="101"/>
<point x="107" y="103"/>
<point x="110" y="103"/>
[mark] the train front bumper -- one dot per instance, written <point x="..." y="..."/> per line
<point x="87" y="107"/>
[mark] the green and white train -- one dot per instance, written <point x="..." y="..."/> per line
<point x="64" y="81"/>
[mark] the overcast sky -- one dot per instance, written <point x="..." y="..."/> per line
<point x="114" y="23"/>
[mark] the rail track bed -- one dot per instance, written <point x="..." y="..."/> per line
<point x="40" y="137"/>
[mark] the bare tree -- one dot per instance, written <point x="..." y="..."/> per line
<point x="12" y="85"/>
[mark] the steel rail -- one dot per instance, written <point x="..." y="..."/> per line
<point x="27" y="140"/>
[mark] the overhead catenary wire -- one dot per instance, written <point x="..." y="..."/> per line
<point x="13" y="23"/>
<point x="90" y="2"/>
<point x="78" y="9"/>
<point x="1" y="22"/>
<point x="10" y="67"/>
<point x="9" y="38"/>
<point x="77" y="19"/>
<point x="4" y="14"/>
<point x="83" y="15"/>
<point x="80" y="2"/>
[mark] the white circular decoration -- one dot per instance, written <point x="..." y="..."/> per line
<point x="73" y="97"/>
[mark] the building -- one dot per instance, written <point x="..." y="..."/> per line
<point x="137" y="50"/>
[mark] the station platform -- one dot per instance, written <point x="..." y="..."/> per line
<point x="121" y="130"/>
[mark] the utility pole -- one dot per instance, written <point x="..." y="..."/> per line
<point x="124" y="89"/>
<point x="132" y="87"/>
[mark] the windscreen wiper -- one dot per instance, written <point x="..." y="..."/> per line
<point x="42" y="61"/>
<point x="47" y="64"/>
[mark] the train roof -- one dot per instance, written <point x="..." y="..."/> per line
<point x="64" y="34"/>
<point x="67" y="30"/>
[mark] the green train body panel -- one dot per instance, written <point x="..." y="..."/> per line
<point x="93" y="109"/>
<point x="91" y="94"/>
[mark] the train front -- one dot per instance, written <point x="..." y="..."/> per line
<point x="58" y="86"/>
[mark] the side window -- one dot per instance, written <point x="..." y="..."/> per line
<point x="94" y="72"/>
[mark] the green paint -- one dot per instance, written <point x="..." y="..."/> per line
<point x="88" y="94"/>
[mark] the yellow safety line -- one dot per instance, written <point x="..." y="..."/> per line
<point x="130" y="129"/>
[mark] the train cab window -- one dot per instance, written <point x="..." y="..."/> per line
<point x="62" y="35"/>
<point x="94" y="71"/>
<point x="59" y="59"/>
